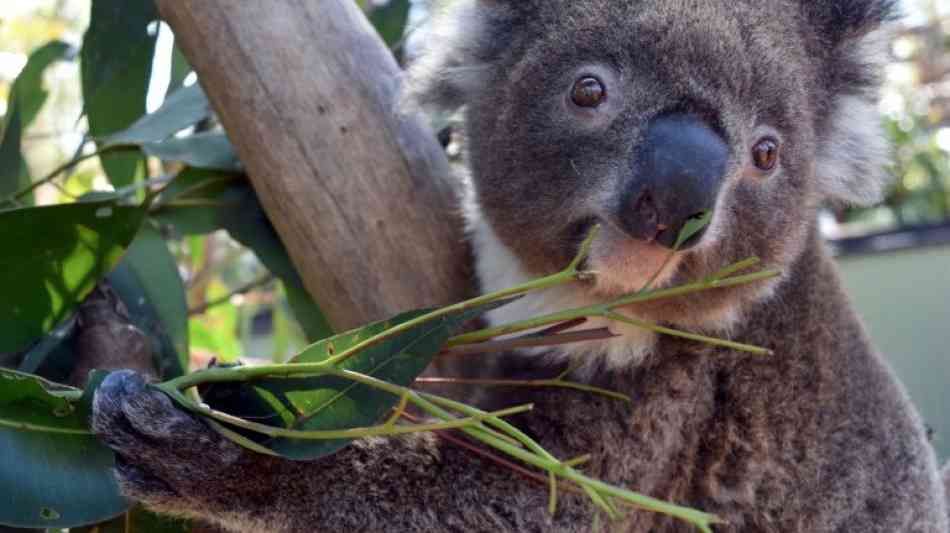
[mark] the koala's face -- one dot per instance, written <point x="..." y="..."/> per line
<point x="639" y="115"/>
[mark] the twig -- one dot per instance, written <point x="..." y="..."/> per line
<point x="530" y="341"/>
<point x="53" y="175"/>
<point x="260" y="282"/>
<point x="602" y="310"/>
<point x="539" y="383"/>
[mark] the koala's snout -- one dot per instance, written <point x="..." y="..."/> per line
<point x="677" y="174"/>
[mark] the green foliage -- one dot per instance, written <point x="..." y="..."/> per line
<point x="53" y="258"/>
<point x="61" y="472"/>
<point x="26" y="98"/>
<point x="324" y="403"/>
<point x="147" y="281"/>
<point x="117" y="54"/>
<point x="390" y="20"/>
<point x="183" y="108"/>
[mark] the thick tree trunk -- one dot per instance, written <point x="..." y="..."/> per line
<point x="359" y="193"/>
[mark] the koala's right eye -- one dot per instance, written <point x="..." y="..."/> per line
<point x="588" y="92"/>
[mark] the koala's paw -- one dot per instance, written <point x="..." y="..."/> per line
<point x="164" y="456"/>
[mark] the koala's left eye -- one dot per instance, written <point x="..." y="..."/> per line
<point x="588" y="92"/>
<point x="765" y="154"/>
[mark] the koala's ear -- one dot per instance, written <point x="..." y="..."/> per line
<point x="853" y="156"/>
<point x="463" y="43"/>
<point x="852" y="166"/>
<point x="842" y="20"/>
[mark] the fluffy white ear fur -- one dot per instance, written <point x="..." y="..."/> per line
<point x="449" y="69"/>
<point x="854" y="153"/>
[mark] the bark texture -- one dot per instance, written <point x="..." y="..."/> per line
<point x="360" y="193"/>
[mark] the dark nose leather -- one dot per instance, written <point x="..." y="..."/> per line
<point x="677" y="174"/>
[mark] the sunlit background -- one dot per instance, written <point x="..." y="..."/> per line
<point x="237" y="309"/>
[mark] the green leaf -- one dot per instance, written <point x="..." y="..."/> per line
<point x="53" y="256"/>
<point x="333" y="403"/>
<point x="390" y="20"/>
<point x="28" y="92"/>
<point x="211" y="150"/>
<point x="180" y="70"/>
<point x="14" y="174"/>
<point x="692" y="227"/>
<point x="180" y="110"/>
<point x="206" y="196"/>
<point x="148" y="282"/>
<point x="26" y="99"/>
<point x="55" y="343"/>
<point x="117" y="57"/>
<point x="62" y="474"/>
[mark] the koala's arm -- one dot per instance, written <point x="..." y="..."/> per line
<point x="174" y="463"/>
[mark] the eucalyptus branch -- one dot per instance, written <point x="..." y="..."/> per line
<point x="606" y="309"/>
<point x="738" y="346"/>
<point x="244" y="289"/>
<point x="538" y="383"/>
<point x="489" y="428"/>
<point x="384" y="430"/>
<point x="570" y="274"/>
<point x="531" y="453"/>
<point x="530" y="341"/>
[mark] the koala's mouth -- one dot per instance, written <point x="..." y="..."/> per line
<point x="622" y="263"/>
<point x="577" y="233"/>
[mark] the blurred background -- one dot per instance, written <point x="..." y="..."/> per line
<point x="895" y="257"/>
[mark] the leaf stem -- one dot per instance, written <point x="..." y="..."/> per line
<point x="385" y="430"/>
<point x="738" y="346"/>
<point x="555" y="383"/>
<point x="602" y="310"/>
<point x="52" y="175"/>
<point x="567" y="275"/>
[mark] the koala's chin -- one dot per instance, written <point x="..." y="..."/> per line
<point x="624" y="265"/>
<point x="498" y="268"/>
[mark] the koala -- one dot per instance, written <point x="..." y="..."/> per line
<point x="636" y="115"/>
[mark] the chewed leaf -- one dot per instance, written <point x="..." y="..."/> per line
<point x="334" y="403"/>
<point x="692" y="227"/>
<point x="46" y="451"/>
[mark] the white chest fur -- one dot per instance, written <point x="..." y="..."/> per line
<point x="498" y="269"/>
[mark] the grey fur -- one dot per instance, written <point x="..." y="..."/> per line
<point x="818" y="438"/>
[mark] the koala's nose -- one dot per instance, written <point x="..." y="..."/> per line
<point x="676" y="176"/>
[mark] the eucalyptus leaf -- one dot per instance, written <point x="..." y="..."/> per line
<point x="180" y="70"/>
<point x="210" y="150"/>
<point x="335" y="403"/>
<point x="692" y="227"/>
<point x="390" y="20"/>
<point x="56" y="341"/>
<point x="183" y="108"/>
<point x="53" y="256"/>
<point x="117" y="54"/>
<point x="27" y="97"/>
<point x="148" y="283"/>
<point x="62" y="474"/>
<point x="28" y="91"/>
<point x="14" y="174"/>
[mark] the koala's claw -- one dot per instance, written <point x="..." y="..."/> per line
<point x="158" y="445"/>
